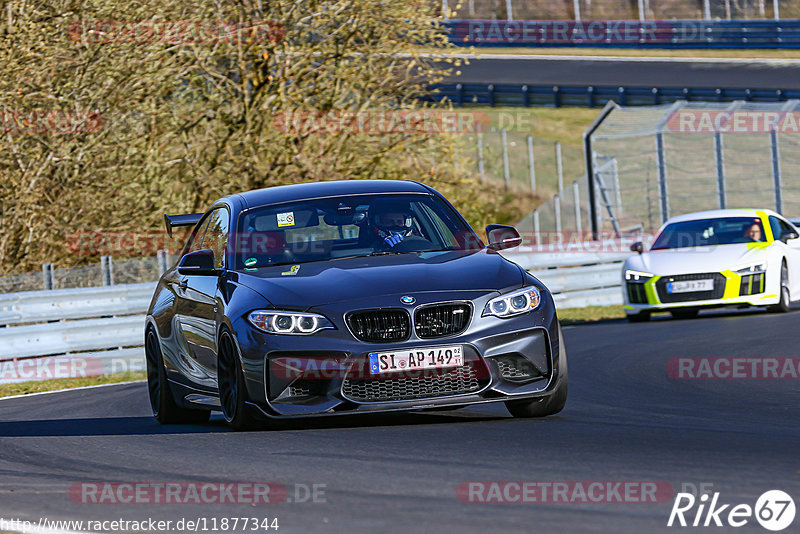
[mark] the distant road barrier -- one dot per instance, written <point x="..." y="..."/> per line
<point x="595" y="96"/>
<point x="783" y="33"/>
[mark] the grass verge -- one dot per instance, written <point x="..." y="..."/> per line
<point x="590" y="314"/>
<point x="38" y="386"/>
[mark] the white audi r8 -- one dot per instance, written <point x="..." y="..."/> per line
<point x="731" y="257"/>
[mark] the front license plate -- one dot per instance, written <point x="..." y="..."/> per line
<point x="689" y="286"/>
<point x="422" y="358"/>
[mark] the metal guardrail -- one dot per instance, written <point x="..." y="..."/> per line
<point x="576" y="279"/>
<point x="44" y="334"/>
<point x="682" y="33"/>
<point x="593" y="96"/>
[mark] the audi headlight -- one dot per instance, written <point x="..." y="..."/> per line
<point x="753" y="269"/>
<point x="521" y="301"/>
<point x="637" y="276"/>
<point x="289" y="323"/>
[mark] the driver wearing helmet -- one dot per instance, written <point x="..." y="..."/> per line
<point x="391" y="221"/>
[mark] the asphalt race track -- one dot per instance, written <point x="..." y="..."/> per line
<point x="625" y="421"/>
<point x="631" y="73"/>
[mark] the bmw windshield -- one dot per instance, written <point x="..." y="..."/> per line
<point x="709" y="232"/>
<point x="351" y="226"/>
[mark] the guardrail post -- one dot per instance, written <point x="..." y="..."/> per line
<point x="163" y="261"/>
<point x="506" y="166"/>
<point x="491" y="95"/>
<point x="576" y="197"/>
<point x="590" y="94"/>
<point x="656" y="96"/>
<point x="556" y="96"/>
<point x="776" y="169"/>
<point x="536" y="226"/>
<point x="107" y="270"/>
<point x="525" y="96"/>
<point x="720" y="163"/>
<point x="460" y="94"/>
<point x="48" y="278"/>
<point x="481" y="168"/>
<point x="622" y="96"/>
<point x="662" y="177"/>
<point x="530" y="164"/>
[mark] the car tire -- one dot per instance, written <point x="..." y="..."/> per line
<point x="684" y="314"/>
<point x="231" y="385"/>
<point x="551" y="404"/>
<point x="165" y="409"/>
<point x="785" y="302"/>
<point x="641" y="317"/>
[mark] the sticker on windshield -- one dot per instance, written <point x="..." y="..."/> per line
<point x="286" y="219"/>
<point x="249" y="262"/>
<point x="292" y="271"/>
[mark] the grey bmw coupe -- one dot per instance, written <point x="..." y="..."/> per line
<point x="347" y="297"/>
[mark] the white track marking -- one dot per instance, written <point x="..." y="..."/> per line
<point x="69" y="389"/>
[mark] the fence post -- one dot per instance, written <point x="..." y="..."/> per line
<point x="536" y="226"/>
<point x="559" y="167"/>
<point x="557" y="208"/>
<point x="445" y="10"/>
<point x="506" y="167"/>
<point x="641" y="10"/>
<point x="576" y="197"/>
<point x="107" y="270"/>
<point x="707" y="9"/>
<point x="48" y="279"/>
<point x="530" y="164"/>
<point x="509" y="11"/>
<point x="776" y="169"/>
<point x="471" y="8"/>
<point x="481" y="168"/>
<point x="662" y="177"/>
<point x="163" y="261"/>
<point x="728" y="9"/>
<point x="576" y="4"/>
<point x="776" y="9"/>
<point x="720" y="159"/>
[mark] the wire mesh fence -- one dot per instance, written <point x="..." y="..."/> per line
<point x="618" y="9"/>
<point x="653" y="163"/>
<point x="107" y="272"/>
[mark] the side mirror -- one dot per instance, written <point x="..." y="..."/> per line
<point x="199" y="262"/>
<point x="501" y="237"/>
<point x="789" y="234"/>
<point x="637" y="247"/>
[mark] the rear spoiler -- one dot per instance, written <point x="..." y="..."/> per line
<point x="173" y="221"/>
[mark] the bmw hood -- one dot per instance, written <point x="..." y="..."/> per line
<point x="307" y="285"/>
<point x="697" y="260"/>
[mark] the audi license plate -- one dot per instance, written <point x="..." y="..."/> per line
<point x="689" y="286"/>
<point x="422" y="358"/>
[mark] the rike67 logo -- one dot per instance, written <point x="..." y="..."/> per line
<point x="774" y="510"/>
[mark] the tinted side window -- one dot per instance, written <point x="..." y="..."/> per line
<point x="216" y="235"/>
<point x="775" y="225"/>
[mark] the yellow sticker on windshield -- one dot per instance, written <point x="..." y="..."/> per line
<point x="292" y="271"/>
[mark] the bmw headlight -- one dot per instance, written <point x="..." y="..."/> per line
<point x="521" y="301"/>
<point x="637" y="276"/>
<point x="753" y="269"/>
<point x="289" y="323"/>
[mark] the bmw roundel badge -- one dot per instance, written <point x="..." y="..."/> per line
<point x="408" y="300"/>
